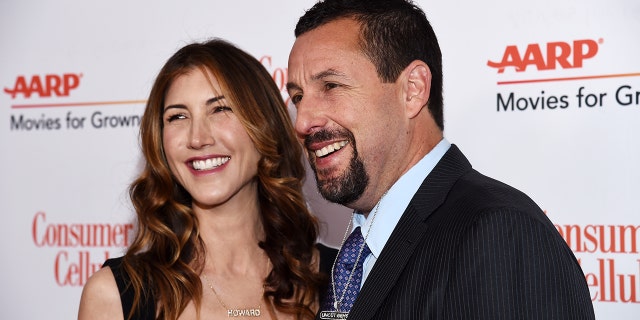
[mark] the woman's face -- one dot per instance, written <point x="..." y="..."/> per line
<point x="207" y="148"/>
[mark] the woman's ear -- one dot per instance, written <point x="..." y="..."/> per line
<point x="417" y="87"/>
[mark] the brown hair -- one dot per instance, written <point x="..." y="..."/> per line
<point x="167" y="255"/>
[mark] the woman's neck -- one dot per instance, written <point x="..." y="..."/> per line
<point x="231" y="237"/>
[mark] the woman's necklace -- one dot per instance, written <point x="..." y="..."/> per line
<point x="338" y="302"/>
<point x="241" y="311"/>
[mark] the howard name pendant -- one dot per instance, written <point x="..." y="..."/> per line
<point x="251" y="312"/>
<point x="333" y="315"/>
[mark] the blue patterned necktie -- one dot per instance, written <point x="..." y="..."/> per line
<point x="344" y="266"/>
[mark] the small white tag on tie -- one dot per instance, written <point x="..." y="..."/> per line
<point x="333" y="315"/>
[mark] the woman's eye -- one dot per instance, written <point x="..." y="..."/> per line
<point x="174" y="117"/>
<point x="221" y="109"/>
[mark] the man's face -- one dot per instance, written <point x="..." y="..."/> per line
<point x="349" y="121"/>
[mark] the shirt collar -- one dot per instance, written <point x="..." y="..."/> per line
<point x="393" y="204"/>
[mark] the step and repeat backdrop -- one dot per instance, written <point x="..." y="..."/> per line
<point x="543" y="95"/>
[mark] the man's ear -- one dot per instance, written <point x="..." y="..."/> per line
<point x="417" y="87"/>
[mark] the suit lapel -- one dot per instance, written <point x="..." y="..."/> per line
<point x="405" y="236"/>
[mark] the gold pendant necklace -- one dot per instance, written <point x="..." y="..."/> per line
<point x="241" y="311"/>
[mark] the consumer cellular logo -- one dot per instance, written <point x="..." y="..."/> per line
<point x="82" y="247"/>
<point x="603" y="251"/>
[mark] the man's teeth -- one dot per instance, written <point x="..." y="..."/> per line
<point x="330" y="148"/>
<point x="209" y="163"/>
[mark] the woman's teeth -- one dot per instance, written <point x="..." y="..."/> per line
<point x="209" y="163"/>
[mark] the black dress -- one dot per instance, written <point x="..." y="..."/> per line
<point x="147" y="308"/>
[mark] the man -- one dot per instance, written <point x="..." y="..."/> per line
<point x="441" y="241"/>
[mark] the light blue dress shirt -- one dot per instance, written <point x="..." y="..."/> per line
<point x="393" y="204"/>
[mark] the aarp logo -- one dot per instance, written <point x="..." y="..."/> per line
<point x="44" y="86"/>
<point x="549" y="56"/>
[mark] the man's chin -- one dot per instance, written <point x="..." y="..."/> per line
<point x="335" y="192"/>
<point x="325" y="176"/>
<point x="341" y="182"/>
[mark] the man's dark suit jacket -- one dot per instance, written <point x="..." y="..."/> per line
<point x="470" y="247"/>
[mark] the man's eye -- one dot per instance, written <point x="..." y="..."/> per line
<point x="296" y="98"/>
<point x="330" y="85"/>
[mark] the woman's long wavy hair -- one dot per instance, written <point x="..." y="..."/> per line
<point x="167" y="255"/>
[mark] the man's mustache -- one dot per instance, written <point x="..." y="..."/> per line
<point x="327" y="135"/>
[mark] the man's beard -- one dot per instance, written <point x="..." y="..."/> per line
<point x="350" y="185"/>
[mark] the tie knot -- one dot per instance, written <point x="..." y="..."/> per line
<point x="351" y="249"/>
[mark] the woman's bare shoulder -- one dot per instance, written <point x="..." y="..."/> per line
<point x="100" y="297"/>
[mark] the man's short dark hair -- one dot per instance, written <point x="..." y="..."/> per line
<point x="393" y="34"/>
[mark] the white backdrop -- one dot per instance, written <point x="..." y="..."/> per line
<point x="74" y="75"/>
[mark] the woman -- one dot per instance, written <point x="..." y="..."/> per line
<point x="223" y="229"/>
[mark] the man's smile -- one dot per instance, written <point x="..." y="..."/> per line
<point x="330" y="148"/>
